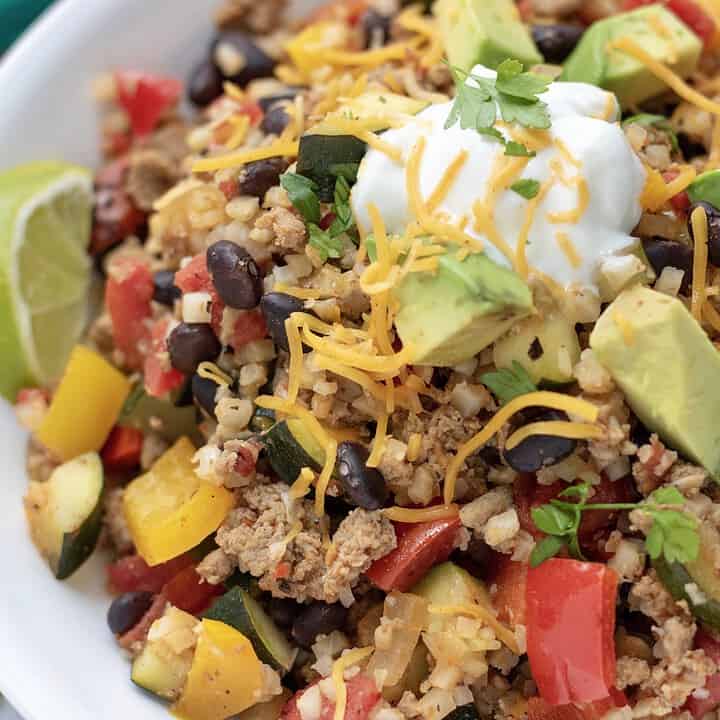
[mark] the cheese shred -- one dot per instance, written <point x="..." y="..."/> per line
<point x="420" y="515"/>
<point x="235" y="159"/>
<point x="699" y="222"/>
<point x="345" y="661"/>
<point x="574" y="431"/>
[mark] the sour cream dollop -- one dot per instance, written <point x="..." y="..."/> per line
<point x="586" y="154"/>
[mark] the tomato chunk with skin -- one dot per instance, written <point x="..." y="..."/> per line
<point x="362" y="697"/>
<point x="131" y="573"/>
<point x="510" y="596"/>
<point x="419" y="547"/>
<point x="250" y="326"/>
<point x="146" y="98"/>
<point x="160" y="377"/>
<point x="189" y="592"/>
<point x="570" y="630"/>
<point x="128" y="294"/>
<point x="195" y="277"/>
<point x="699" y="707"/>
<point x="122" y="449"/>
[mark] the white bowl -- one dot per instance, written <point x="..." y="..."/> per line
<point x="57" y="658"/>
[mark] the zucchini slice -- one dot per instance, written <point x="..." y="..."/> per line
<point x="143" y="412"/>
<point x="240" y="610"/>
<point x="290" y="447"/>
<point x="65" y="513"/>
<point x="322" y="157"/>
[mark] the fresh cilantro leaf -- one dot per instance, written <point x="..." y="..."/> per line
<point x="526" y="188"/>
<point x="511" y="80"/>
<point x="524" y="112"/>
<point x="516" y="149"/>
<point x="344" y="220"/>
<point x="581" y="491"/>
<point x="348" y="171"/>
<point x="474" y="106"/>
<point x="667" y="496"/>
<point x="654" y="541"/>
<point x="507" y="384"/>
<point x="544" y="550"/>
<point x="552" y="520"/>
<point x="659" y="122"/>
<point x="326" y="245"/>
<point x="301" y="191"/>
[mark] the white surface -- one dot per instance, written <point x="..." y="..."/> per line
<point x="57" y="658"/>
<point x="613" y="175"/>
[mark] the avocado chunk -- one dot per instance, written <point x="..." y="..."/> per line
<point x="657" y="30"/>
<point x="452" y="314"/>
<point x="668" y="369"/>
<point x="484" y="32"/>
<point x="706" y="188"/>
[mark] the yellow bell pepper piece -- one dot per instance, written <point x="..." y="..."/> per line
<point x="169" y="510"/>
<point x="226" y="676"/>
<point x="85" y="407"/>
<point x="306" y="48"/>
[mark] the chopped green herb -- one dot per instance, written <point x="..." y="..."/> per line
<point x="673" y="534"/>
<point x="516" y="149"/>
<point x="348" y="171"/>
<point x="509" y="383"/>
<point x="527" y="188"/>
<point x="344" y="220"/>
<point x="659" y="122"/>
<point x="326" y="245"/>
<point x="301" y="191"/>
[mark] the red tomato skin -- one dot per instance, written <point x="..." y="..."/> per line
<point x="699" y="707"/>
<point x="195" y="277"/>
<point x="692" y="14"/>
<point x="362" y="697"/>
<point x="509" y="598"/>
<point x="122" y="449"/>
<point x="189" y="592"/>
<point x="250" y="326"/>
<point x="419" y="547"/>
<point x="570" y="629"/>
<point x="132" y="573"/>
<point x="146" y="98"/>
<point x="128" y="292"/>
<point x="159" y="378"/>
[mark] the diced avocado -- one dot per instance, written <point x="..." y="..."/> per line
<point x="547" y="347"/>
<point x="485" y="32"/>
<point x="706" y="188"/>
<point x="668" y="369"/>
<point x="380" y="107"/>
<point x="452" y="314"/>
<point x="658" y="31"/>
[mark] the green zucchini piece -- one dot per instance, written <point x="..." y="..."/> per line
<point x="144" y="412"/>
<point x="241" y="611"/>
<point x="321" y="158"/>
<point x="290" y="447"/>
<point x="65" y="513"/>
<point x="701" y="572"/>
<point x="262" y="420"/>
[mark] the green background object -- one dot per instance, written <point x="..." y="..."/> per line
<point x="15" y="16"/>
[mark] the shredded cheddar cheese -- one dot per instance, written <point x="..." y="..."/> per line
<point x="231" y="160"/>
<point x="301" y="487"/>
<point x="569" y="250"/>
<point x="504" y="634"/>
<point x="575" y="215"/>
<point x="240" y="125"/>
<point x="413" y="20"/>
<point x="574" y="431"/>
<point x="296" y="358"/>
<point x="345" y="661"/>
<point x="521" y="263"/>
<point x="446" y="181"/>
<point x="419" y="515"/>
<point x="325" y="476"/>
<point x="210" y="371"/>
<point x="571" y="405"/>
<point x="378" y="445"/>
<point x="699" y="223"/>
<point x="303" y="293"/>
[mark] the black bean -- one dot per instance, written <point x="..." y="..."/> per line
<point x="275" y="121"/>
<point x="536" y="350"/>
<point x="670" y="253"/>
<point x="190" y="344"/>
<point x="318" y="618"/>
<point x="276" y="309"/>
<point x="164" y="289"/>
<point x="363" y="486"/>
<point x="205" y="84"/>
<point x="235" y="274"/>
<point x="289" y="93"/>
<point x="283" y="611"/>
<point x="376" y="27"/>
<point x="556" y="42"/>
<point x="258" y="177"/>
<point x="713" y="217"/>
<point x="253" y="63"/>
<point x="126" y="611"/>
<point x="204" y="390"/>
<point x="538" y="451"/>
<point x="464" y="712"/>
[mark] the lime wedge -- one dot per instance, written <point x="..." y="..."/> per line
<point x="45" y="219"/>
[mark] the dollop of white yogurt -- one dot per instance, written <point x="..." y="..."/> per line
<point x="584" y="120"/>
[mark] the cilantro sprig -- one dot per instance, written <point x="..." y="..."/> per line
<point x="527" y="188"/>
<point x="302" y="192"/>
<point x="513" y="92"/>
<point x="509" y="383"/>
<point x="673" y="534"/>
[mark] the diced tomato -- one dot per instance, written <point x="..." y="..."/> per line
<point x="128" y="292"/>
<point x="250" y="326"/>
<point x="362" y="697"/>
<point x="282" y="570"/>
<point x="253" y="111"/>
<point x="146" y="98"/>
<point x="525" y="8"/>
<point x="539" y="709"/>
<point x="194" y="277"/>
<point x="351" y="10"/>
<point x="160" y="378"/>
<point x="189" y="592"/>
<point x="138" y="633"/>
<point x="689" y="11"/>
<point x="509" y="598"/>
<point x="132" y="573"/>
<point x="419" y="547"/>
<point x="681" y="201"/>
<point x="122" y="449"/>
<point x="699" y="707"/>
<point x="570" y="630"/>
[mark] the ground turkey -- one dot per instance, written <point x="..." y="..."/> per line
<point x="253" y="537"/>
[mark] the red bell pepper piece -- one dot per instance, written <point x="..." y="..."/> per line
<point x="700" y="706"/>
<point x="570" y="629"/>
<point x="692" y="14"/>
<point x="362" y="697"/>
<point x="132" y="573"/>
<point x="128" y="292"/>
<point x="122" y="449"/>
<point x="159" y="377"/>
<point x="250" y="326"/>
<point x="189" y="592"/>
<point x="419" y="547"/>
<point x="539" y="709"/>
<point x="146" y="98"/>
